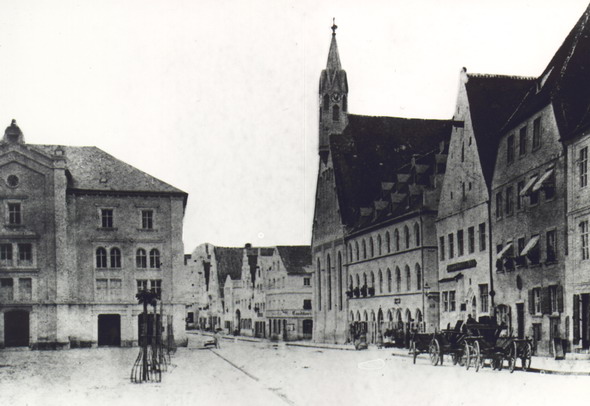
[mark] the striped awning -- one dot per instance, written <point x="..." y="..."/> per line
<point x="542" y="180"/>
<point x="528" y="185"/>
<point x="530" y="245"/>
<point x="504" y="251"/>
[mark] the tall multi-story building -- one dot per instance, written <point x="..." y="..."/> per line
<point x="82" y="233"/>
<point x="466" y="258"/>
<point x="378" y="178"/>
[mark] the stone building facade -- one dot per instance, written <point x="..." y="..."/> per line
<point x="463" y="226"/>
<point x="82" y="233"/>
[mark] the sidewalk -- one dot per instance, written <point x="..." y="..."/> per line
<point x="542" y="365"/>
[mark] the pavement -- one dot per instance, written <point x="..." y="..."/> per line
<point x="574" y="364"/>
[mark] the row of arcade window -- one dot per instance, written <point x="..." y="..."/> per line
<point x="368" y="287"/>
<point x="112" y="259"/>
<point x="361" y="252"/>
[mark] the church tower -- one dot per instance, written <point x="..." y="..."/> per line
<point x="333" y="98"/>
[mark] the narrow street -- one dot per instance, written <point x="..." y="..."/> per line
<point x="243" y="373"/>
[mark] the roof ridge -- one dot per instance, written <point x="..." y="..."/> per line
<point x="501" y="76"/>
<point x="400" y="118"/>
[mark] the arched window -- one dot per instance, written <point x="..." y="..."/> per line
<point x="371" y="248"/>
<point x="350" y="285"/>
<point x="389" y="284"/>
<point x="364" y="279"/>
<point x="340" y="279"/>
<point x="388" y="242"/>
<point x="141" y="258"/>
<point x="154" y="258"/>
<point x="356" y="248"/>
<point x="351" y="316"/>
<point x="418" y="277"/>
<point x="407" y="236"/>
<point x="101" y="257"/>
<point x="398" y="280"/>
<point x="350" y="252"/>
<point x="329" y="281"/>
<point x="379" y="252"/>
<point x="319" y="273"/>
<point x="396" y="239"/>
<point x="408" y="279"/>
<point x="417" y="234"/>
<point x="335" y="113"/>
<point x="326" y="103"/>
<point x="380" y="281"/>
<point x="372" y="279"/>
<point x="115" y="258"/>
<point x="358" y="281"/>
<point x="364" y="250"/>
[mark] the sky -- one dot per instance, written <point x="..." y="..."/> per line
<point x="219" y="98"/>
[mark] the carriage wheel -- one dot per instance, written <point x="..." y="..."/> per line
<point x="467" y="354"/>
<point x="512" y="356"/>
<point x="477" y="355"/>
<point x="413" y="350"/>
<point x="434" y="351"/>
<point x="525" y="357"/>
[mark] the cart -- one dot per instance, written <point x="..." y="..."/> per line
<point x="419" y="344"/>
<point x="448" y="342"/>
<point x="485" y="344"/>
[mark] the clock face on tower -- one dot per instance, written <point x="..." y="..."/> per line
<point x="335" y="97"/>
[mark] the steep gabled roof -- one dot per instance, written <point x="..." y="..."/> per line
<point x="565" y="83"/>
<point x="371" y="150"/>
<point x="229" y="262"/>
<point x="492" y="99"/>
<point x="93" y="169"/>
<point x="295" y="258"/>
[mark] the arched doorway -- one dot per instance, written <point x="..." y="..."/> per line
<point x="238" y="321"/>
<point x="418" y="321"/>
<point x="16" y="328"/>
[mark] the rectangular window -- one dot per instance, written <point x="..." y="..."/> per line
<point x="25" y="289"/>
<point x="482" y="236"/>
<point x="6" y="290"/>
<point x="510" y="149"/>
<point x="25" y="254"/>
<point x="115" y="288"/>
<point x="106" y="216"/>
<point x="583" y="167"/>
<point x="147" y="219"/>
<point x="102" y="288"/>
<point x="537" y="300"/>
<point x="537" y="133"/>
<point x="534" y="196"/>
<point x="452" y="302"/>
<point x="156" y="286"/>
<point x="509" y="200"/>
<point x="306" y="304"/>
<point x="441" y="248"/>
<point x="520" y="260"/>
<point x="551" y="238"/>
<point x="6" y="254"/>
<point x="522" y="142"/>
<point x="499" y="262"/>
<point x="306" y="281"/>
<point x="142" y="284"/>
<point x="537" y="328"/>
<point x="519" y="188"/>
<point x="459" y="243"/>
<point x="14" y="214"/>
<point x="584" y="239"/>
<point x="445" y="301"/>
<point x="483" y="298"/>
<point x="451" y="246"/>
<point x="471" y="238"/>
<point x="499" y="205"/>
<point x="553" y="298"/>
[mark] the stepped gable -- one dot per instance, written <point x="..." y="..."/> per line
<point x="372" y="150"/>
<point x="565" y="82"/>
<point x="229" y="262"/>
<point x="492" y="99"/>
<point x="296" y="258"/>
<point x="92" y="169"/>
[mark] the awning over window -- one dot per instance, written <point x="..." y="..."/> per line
<point x="530" y="245"/>
<point x="529" y="185"/>
<point x="543" y="179"/>
<point x="504" y="251"/>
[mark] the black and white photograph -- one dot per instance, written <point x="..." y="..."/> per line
<point x="295" y="203"/>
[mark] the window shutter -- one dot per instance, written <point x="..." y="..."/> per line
<point x="560" y="298"/>
<point x="576" y="319"/>
<point x="531" y="302"/>
<point x="545" y="301"/>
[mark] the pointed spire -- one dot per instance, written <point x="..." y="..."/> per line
<point x="333" y="57"/>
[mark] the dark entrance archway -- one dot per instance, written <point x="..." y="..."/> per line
<point x="307" y="328"/>
<point x="16" y="328"/>
<point x="109" y="330"/>
<point x="238" y="321"/>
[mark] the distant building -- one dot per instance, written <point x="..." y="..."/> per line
<point x="82" y="233"/>
<point x="264" y="292"/>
